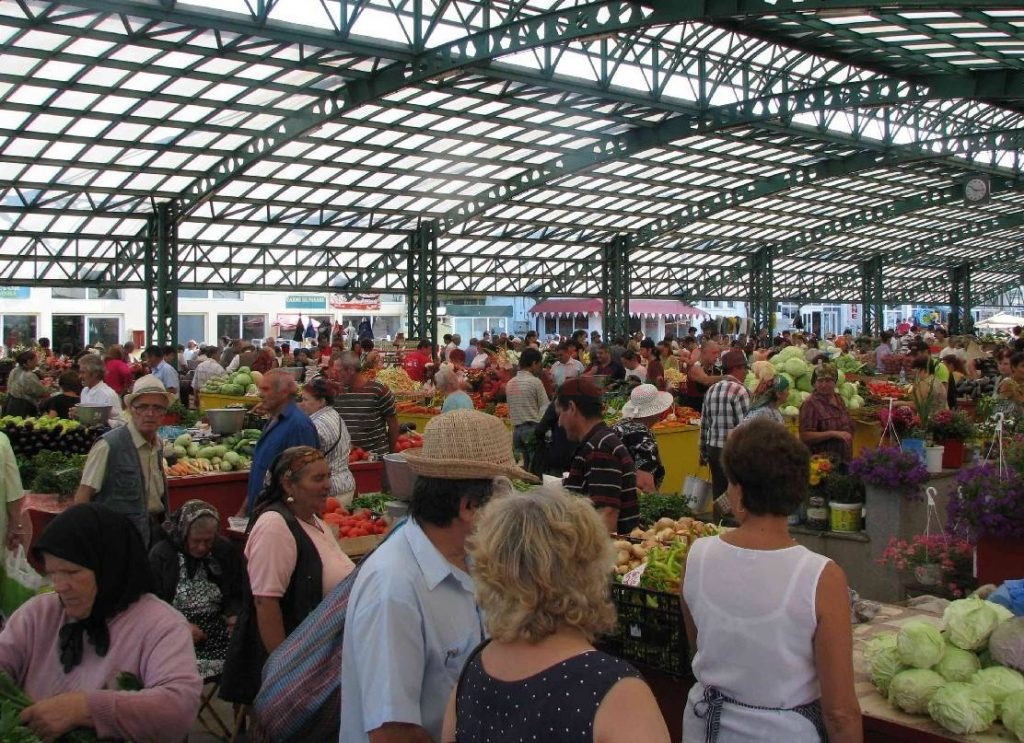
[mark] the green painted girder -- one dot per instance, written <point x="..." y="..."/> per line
<point x="709" y="11"/>
<point x="606" y="17"/>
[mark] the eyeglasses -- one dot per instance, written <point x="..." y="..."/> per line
<point x="154" y="409"/>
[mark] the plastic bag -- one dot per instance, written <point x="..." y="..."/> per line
<point x="20" y="581"/>
<point x="1011" y="596"/>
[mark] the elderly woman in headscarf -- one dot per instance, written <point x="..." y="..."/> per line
<point x="769" y="396"/>
<point x="825" y="424"/>
<point x="70" y="650"/>
<point x="200" y="574"/>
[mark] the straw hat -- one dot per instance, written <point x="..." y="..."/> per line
<point x="148" y="385"/>
<point x="645" y="401"/>
<point x="466" y="445"/>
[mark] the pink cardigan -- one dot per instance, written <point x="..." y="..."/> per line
<point x="149" y="639"/>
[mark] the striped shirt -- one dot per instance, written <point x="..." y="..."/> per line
<point x="336" y="444"/>
<point x="366" y="412"/>
<point x="725" y="406"/>
<point x="602" y="470"/>
<point x="526" y="397"/>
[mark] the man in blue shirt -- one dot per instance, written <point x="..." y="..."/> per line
<point x="161" y="369"/>
<point x="412" y="618"/>
<point x="288" y="427"/>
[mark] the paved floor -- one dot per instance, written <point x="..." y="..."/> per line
<point x="199" y="733"/>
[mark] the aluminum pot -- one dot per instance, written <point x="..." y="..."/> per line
<point x="226" y="420"/>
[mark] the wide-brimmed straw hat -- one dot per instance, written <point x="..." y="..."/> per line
<point x="645" y="401"/>
<point x="466" y="445"/>
<point x="148" y="385"/>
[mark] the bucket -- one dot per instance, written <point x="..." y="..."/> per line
<point x="845" y="516"/>
<point x="933" y="458"/>
<point x="401" y="478"/>
<point x="916" y="446"/>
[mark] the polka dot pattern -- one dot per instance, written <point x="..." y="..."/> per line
<point x="558" y="703"/>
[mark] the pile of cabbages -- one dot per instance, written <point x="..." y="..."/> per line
<point x="964" y="677"/>
<point x="789" y="364"/>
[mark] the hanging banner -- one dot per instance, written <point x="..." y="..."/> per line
<point x="14" y="292"/>
<point x="305" y="302"/>
<point x="355" y="302"/>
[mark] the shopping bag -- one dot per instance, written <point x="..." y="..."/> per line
<point x="697" y="494"/>
<point x="20" y="581"/>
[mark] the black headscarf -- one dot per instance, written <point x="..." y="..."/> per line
<point x="181" y="524"/>
<point x="108" y="544"/>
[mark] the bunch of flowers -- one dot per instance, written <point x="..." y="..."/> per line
<point x="950" y="425"/>
<point x="953" y="556"/>
<point x="820" y="468"/>
<point x="988" y="503"/>
<point x="891" y="469"/>
<point x="904" y="419"/>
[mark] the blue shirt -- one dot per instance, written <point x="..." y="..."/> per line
<point x="411" y="624"/>
<point x="457" y="401"/>
<point x="166" y="374"/>
<point x="290" y="428"/>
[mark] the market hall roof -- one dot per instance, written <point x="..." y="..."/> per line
<point x="303" y="142"/>
<point x="637" y="308"/>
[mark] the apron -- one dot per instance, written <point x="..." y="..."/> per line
<point x="200" y="600"/>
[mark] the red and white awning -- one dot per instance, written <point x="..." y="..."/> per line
<point x="637" y="308"/>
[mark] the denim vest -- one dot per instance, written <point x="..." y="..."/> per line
<point x="124" y="487"/>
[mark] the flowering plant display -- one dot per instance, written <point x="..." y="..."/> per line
<point x="952" y="557"/>
<point x="951" y="425"/>
<point x="819" y="469"/>
<point x="904" y="419"/>
<point x="891" y="469"/>
<point x="988" y="503"/>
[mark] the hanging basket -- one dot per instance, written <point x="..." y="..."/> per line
<point x="928" y="574"/>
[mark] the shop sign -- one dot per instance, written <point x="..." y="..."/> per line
<point x="355" y="302"/>
<point x="14" y="292"/>
<point x="854" y="312"/>
<point x="305" y="302"/>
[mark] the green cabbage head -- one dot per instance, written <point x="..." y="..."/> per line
<point x="883" y="660"/>
<point x="962" y="708"/>
<point x="969" y="622"/>
<point x="957" y="664"/>
<point x="1013" y="713"/>
<point x="920" y="645"/>
<point x="998" y="682"/>
<point x="911" y="690"/>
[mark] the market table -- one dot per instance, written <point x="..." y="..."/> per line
<point x="225" y="491"/>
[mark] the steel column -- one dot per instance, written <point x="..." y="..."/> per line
<point x="871" y="296"/>
<point x="421" y="284"/>
<point x="960" y="318"/>
<point x="615" y="278"/>
<point x="161" y="272"/>
<point x="762" y="309"/>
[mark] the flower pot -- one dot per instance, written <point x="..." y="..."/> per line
<point x="933" y="458"/>
<point x="845" y="517"/>
<point x="928" y="574"/>
<point x="952" y="455"/>
<point x="916" y="446"/>
<point x="998" y="560"/>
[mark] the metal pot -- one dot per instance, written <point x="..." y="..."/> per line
<point x="226" y="420"/>
<point x="401" y="478"/>
<point x="92" y="415"/>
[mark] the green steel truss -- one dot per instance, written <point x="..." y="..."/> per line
<point x="327" y="144"/>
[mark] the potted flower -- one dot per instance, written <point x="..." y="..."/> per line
<point x="890" y="469"/>
<point x="951" y="428"/>
<point x="933" y="560"/>
<point x="988" y="508"/>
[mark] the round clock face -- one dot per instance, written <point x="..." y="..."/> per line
<point x="975" y="189"/>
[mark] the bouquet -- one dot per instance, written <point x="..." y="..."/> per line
<point x="933" y="559"/>
<point x="892" y="469"/>
<point x="949" y="425"/>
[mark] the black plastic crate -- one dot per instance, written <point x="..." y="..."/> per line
<point x="650" y="630"/>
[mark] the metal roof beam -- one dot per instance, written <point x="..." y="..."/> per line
<point x="710" y="11"/>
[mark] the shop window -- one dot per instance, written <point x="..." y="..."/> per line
<point x="85" y="330"/>
<point x="246" y="327"/>
<point x="191" y="327"/>
<point x="67" y="292"/>
<point x="18" y="330"/>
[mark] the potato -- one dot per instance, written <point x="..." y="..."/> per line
<point x="664" y="523"/>
<point x="621" y="544"/>
<point x="621" y="557"/>
<point x="637" y="533"/>
<point x="665" y="535"/>
<point x="638" y="551"/>
<point x="621" y="569"/>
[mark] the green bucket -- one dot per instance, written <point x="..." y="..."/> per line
<point x="845" y="516"/>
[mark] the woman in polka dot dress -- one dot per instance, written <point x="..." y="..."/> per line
<point x="540" y="563"/>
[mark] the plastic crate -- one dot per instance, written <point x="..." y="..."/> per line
<point x="650" y="630"/>
<point x="368" y="476"/>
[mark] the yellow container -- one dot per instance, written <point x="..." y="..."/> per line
<point x="679" y="449"/>
<point x="845" y="517"/>
<point x="211" y="400"/>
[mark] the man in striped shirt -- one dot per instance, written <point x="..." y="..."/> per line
<point x="725" y="406"/>
<point x="367" y="407"/>
<point x="527" y="401"/>
<point x="601" y="467"/>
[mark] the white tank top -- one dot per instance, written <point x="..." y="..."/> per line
<point x="755" y="617"/>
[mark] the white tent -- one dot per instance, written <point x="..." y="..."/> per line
<point x="1002" y="321"/>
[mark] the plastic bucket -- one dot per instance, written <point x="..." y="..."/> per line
<point x="845" y="516"/>
<point x="933" y="458"/>
<point x="916" y="446"/>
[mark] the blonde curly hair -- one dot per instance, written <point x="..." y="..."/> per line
<point x="542" y="560"/>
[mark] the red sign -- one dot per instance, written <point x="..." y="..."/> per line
<point x="355" y="302"/>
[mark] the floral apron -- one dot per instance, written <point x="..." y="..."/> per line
<point x="200" y="600"/>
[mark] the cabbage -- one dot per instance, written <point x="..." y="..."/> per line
<point x="969" y="622"/>
<point x="750" y="382"/>
<point x="795" y="367"/>
<point x="957" y="664"/>
<point x="962" y="709"/>
<point x="804" y="384"/>
<point x="1001" y="611"/>
<point x="847" y="390"/>
<point x="788" y="378"/>
<point x="1007" y="643"/>
<point x="911" y="690"/>
<point x="762" y="370"/>
<point x="998" y="682"/>
<point x="883" y="660"/>
<point x="790" y="412"/>
<point x="920" y="645"/>
<point x="856" y="402"/>
<point x="1013" y="714"/>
